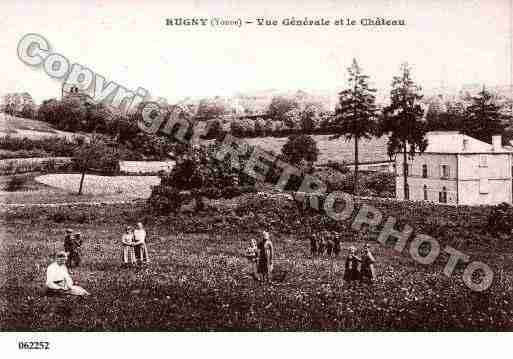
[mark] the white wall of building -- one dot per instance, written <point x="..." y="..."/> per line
<point x="496" y="166"/>
<point x="498" y="191"/>
<point x="472" y="180"/>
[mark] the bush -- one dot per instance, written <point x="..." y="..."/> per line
<point x="165" y="200"/>
<point x="300" y="148"/>
<point x="339" y="166"/>
<point x="500" y="219"/>
<point x="15" y="183"/>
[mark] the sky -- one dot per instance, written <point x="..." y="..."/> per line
<point x="450" y="43"/>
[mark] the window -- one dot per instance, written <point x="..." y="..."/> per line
<point x="483" y="161"/>
<point x="484" y="186"/>
<point x="442" y="196"/>
<point x="425" y="193"/>
<point x="407" y="192"/>
<point x="424" y="171"/>
<point x="445" y="171"/>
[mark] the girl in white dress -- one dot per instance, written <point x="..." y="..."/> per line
<point x="127" y="241"/>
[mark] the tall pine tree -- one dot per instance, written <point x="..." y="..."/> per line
<point x="355" y="115"/>
<point x="403" y="120"/>
<point x="483" y="117"/>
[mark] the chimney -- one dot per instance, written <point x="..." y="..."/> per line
<point x="496" y="143"/>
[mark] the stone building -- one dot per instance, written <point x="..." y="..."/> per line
<point x="458" y="169"/>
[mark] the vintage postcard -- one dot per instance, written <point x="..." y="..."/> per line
<point x="243" y="166"/>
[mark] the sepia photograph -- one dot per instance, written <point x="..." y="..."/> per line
<point x="276" y="166"/>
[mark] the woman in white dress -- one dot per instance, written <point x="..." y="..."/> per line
<point x="141" y="251"/>
<point x="58" y="280"/>
<point x="127" y="241"/>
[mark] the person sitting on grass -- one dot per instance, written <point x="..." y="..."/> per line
<point x="58" y="280"/>
<point x="141" y="251"/>
<point x="352" y="268"/>
<point x="367" y="271"/>
<point x="128" y="241"/>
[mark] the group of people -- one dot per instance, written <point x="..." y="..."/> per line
<point x="360" y="268"/>
<point x="134" y="247"/>
<point x="261" y="256"/>
<point x="58" y="278"/>
<point x="325" y="242"/>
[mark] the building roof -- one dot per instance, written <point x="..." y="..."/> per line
<point x="455" y="142"/>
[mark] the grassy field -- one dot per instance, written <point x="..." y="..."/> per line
<point x="130" y="187"/>
<point x="199" y="281"/>
<point x="334" y="150"/>
<point x="62" y="188"/>
<point x="33" y="129"/>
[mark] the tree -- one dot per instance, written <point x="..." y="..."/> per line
<point x="448" y="116"/>
<point x="199" y="173"/>
<point x="18" y="104"/>
<point x="310" y="116"/>
<point x="403" y="120"/>
<point x="280" y="106"/>
<point x="68" y="115"/>
<point x="96" y="154"/>
<point x="299" y="148"/>
<point x="211" y="108"/>
<point x="484" y="117"/>
<point x="355" y="115"/>
<point x="292" y="119"/>
<point x="97" y="118"/>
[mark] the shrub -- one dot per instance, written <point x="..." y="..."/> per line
<point x="339" y="166"/>
<point x="300" y="148"/>
<point x="165" y="200"/>
<point x="15" y="183"/>
<point x="500" y="219"/>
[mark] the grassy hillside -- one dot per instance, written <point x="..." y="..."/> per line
<point x="335" y="150"/>
<point x="33" y="129"/>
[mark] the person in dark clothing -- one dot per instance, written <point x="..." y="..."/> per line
<point x="352" y="266"/>
<point x="336" y="245"/>
<point x="313" y="244"/>
<point x="68" y="244"/>
<point x="75" y="250"/>
<point x="320" y="244"/>
<point x="265" y="257"/>
<point x="367" y="272"/>
<point x="329" y="243"/>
